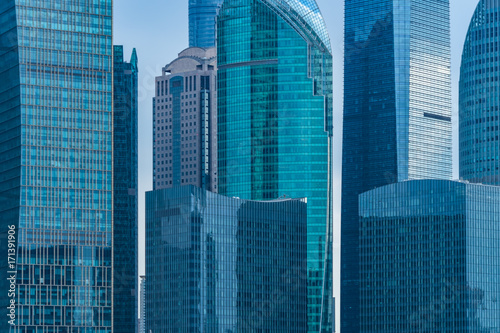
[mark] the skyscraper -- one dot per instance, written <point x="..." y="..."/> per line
<point x="202" y="17"/>
<point x="185" y="122"/>
<point x="479" y="103"/>
<point x="274" y="121"/>
<point x="56" y="175"/>
<point x="142" y="319"/>
<point x="397" y="111"/>
<point x="219" y="264"/>
<point x="125" y="187"/>
<point x="429" y="254"/>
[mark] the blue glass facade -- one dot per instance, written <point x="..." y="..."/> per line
<point x="10" y="141"/>
<point x="429" y="254"/>
<point x="56" y="172"/>
<point x="219" y="264"/>
<point x="125" y="186"/>
<point x="275" y="121"/>
<point x="397" y="111"/>
<point x="202" y="18"/>
<point x="479" y="103"/>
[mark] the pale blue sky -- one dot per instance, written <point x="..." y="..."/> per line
<point x="159" y="31"/>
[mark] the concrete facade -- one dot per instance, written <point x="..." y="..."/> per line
<point x="185" y="121"/>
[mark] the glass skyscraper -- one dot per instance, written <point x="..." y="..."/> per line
<point x="275" y="121"/>
<point x="397" y="111"/>
<point x="219" y="264"/>
<point x="429" y="254"/>
<point x="56" y="186"/>
<point x="202" y="18"/>
<point x="479" y="102"/>
<point x="125" y="196"/>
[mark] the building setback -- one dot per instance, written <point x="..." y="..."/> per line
<point x="202" y="18"/>
<point x="125" y="185"/>
<point x="56" y="174"/>
<point x="274" y="121"/>
<point x="185" y="122"/>
<point x="218" y="264"/>
<point x="429" y="254"/>
<point x="397" y="112"/>
<point x="479" y="102"/>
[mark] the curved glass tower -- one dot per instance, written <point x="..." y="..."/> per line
<point x="56" y="170"/>
<point x="202" y="16"/>
<point x="479" y="102"/>
<point x="397" y="111"/>
<point x="274" y="121"/>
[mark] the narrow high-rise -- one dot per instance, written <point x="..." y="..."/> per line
<point x="56" y="170"/>
<point x="185" y="122"/>
<point x="202" y="18"/>
<point x="275" y="121"/>
<point x="397" y="112"/>
<point x="125" y="187"/>
<point x="142" y="318"/>
<point x="479" y="103"/>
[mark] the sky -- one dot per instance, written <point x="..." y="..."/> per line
<point x="158" y="29"/>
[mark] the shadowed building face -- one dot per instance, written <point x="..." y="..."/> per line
<point x="429" y="254"/>
<point x="219" y="264"/>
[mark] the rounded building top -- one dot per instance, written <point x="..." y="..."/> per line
<point x="305" y="16"/>
<point x="191" y="58"/>
<point x="478" y="98"/>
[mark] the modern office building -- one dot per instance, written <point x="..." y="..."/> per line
<point x="185" y="122"/>
<point x="397" y="112"/>
<point x="142" y="318"/>
<point x="275" y="121"/>
<point x="56" y="174"/>
<point x="125" y="192"/>
<point x="219" y="264"/>
<point x="479" y="102"/>
<point x="202" y="22"/>
<point x="429" y="254"/>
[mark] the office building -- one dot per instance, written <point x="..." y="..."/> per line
<point x="219" y="264"/>
<point x="56" y="175"/>
<point x="274" y="121"/>
<point x="479" y="103"/>
<point x="142" y="319"/>
<point x="185" y="122"/>
<point x="202" y="18"/>
<point x="429" y="254"/>
<point x="125" y="187"/>
<point x="397" y="112"/>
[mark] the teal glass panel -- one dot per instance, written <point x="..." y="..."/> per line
<point x="125" y="191"/>
<point x="274" y="122"/>
<point x="10" y="144"/>
<point x="56" y="116"/>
